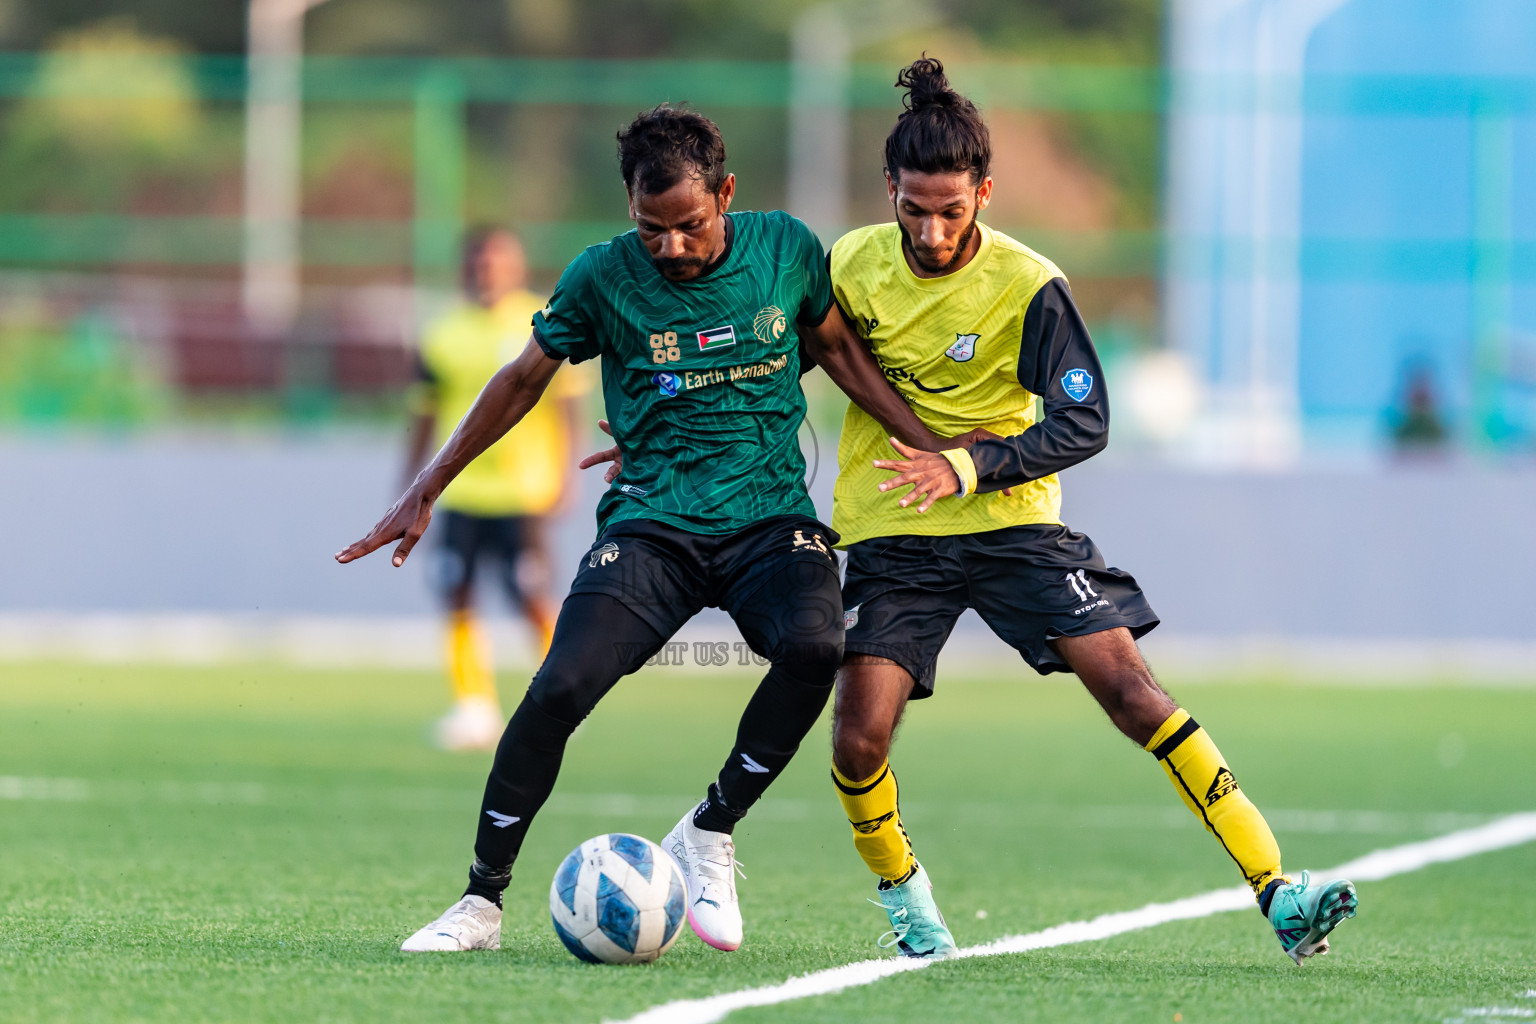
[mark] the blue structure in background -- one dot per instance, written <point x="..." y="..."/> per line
<point x="1418" y="253"/>
<point x="1345" y="218"/>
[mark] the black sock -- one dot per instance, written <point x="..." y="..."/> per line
<point x="886" y="883"/>
<point x="715" y="815"/>
<point x="486" y="882"/>
<point x="522" y="776"/>
<point x="1267" y="896"/>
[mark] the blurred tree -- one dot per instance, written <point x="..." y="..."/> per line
<point x="1056" y="30"/>
<point x="75" y="94"/>
<point x="10" y="21"/>
<point x="1067" y="31"/>
<point x="111" y="111"/>
<point x="542" y="26"/>
<point x="1059" y="30"/>
<point x="209" y="26"/>
<point x="80" y="370"/>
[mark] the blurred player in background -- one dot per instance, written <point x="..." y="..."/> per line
<point x="494" y="513"/>
<point x="971" y="326"/>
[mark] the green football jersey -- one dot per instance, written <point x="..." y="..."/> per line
<point x="701" y="378"/>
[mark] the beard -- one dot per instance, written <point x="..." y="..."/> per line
<point x="676" y="268"/>
<point x="934" y="266"/>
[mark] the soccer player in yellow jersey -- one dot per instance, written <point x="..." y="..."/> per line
<point x="971" y="327"/>
<point x="495" y="511"/>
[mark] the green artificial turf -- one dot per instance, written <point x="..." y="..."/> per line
<point x="252" y="843"/>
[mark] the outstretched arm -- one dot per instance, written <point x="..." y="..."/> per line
<point x="504" y="400"/>
<point x="838" y="350"/>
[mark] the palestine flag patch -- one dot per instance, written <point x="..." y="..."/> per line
<point x="718" y="338"/>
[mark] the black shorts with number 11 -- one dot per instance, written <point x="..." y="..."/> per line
<point x="1030" y="584"/>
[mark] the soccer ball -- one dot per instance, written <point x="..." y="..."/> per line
<point x="618" y="899"/>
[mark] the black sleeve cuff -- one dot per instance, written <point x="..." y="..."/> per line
<point x="539" y="337"/>
<point x="818" y="319"/>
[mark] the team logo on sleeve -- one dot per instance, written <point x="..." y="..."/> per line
<point x="769" y="324"/>
<point x="718" y="338"/>
<point x="963" y="348"/>
<point x="605" y="555"/>
<point x="667" y="383"/>
<point x="1077" y="384"/>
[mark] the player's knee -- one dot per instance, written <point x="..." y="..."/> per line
<point x="857" y="751"/>
<point x="1136" y="703"/>
<point x="561" y="692"/>
<point x="812" y="660"/>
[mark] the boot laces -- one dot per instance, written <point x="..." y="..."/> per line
<point x="900" y="926"/>
<point x="461" y="915"/>
<point x="716" y="863"/>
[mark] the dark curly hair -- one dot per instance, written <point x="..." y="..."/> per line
<point x="940" y="132"/>
<point x="664" y="145"/>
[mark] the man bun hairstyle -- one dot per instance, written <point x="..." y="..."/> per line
<point x="940" y="132"/>
<point x="664" y="145"/>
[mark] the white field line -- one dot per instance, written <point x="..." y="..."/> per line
<point x="1512" y="830"/>
<point x="1037" y="817"/>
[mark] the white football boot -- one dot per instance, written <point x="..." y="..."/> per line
<point x="708" y="860"/>
<point x="472" y="923"/>
<point x="473" y="724"/>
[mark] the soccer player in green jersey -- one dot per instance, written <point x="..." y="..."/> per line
<point x="698" y="317"/>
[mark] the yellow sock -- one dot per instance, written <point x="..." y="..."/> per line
<point x="877" y="831"/>
<point x="544" y="628"/>
<point x="1205" y="783"/>
<point x="469" y="662"/>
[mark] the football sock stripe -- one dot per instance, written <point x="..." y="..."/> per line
<point x="1179" y="735"/>
<point x="858" y="789"/>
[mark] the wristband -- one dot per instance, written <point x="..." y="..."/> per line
<point x="965" y="469"/>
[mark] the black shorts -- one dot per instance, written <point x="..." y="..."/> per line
<point x="667" y="575"/>
<point x="1031" y="584"/>
<point x="514" y="546"/>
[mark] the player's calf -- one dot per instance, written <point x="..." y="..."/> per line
<point x="1111" y="668"/>
<point x="871" y="696"/>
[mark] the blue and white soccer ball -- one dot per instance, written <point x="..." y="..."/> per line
<point x="618" y="899"/>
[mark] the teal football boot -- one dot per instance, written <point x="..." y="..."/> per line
<point x="917" y="927"/>
<point x="1302" y="915"/>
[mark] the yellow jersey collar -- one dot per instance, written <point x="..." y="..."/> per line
<point x="948" y="281"/>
